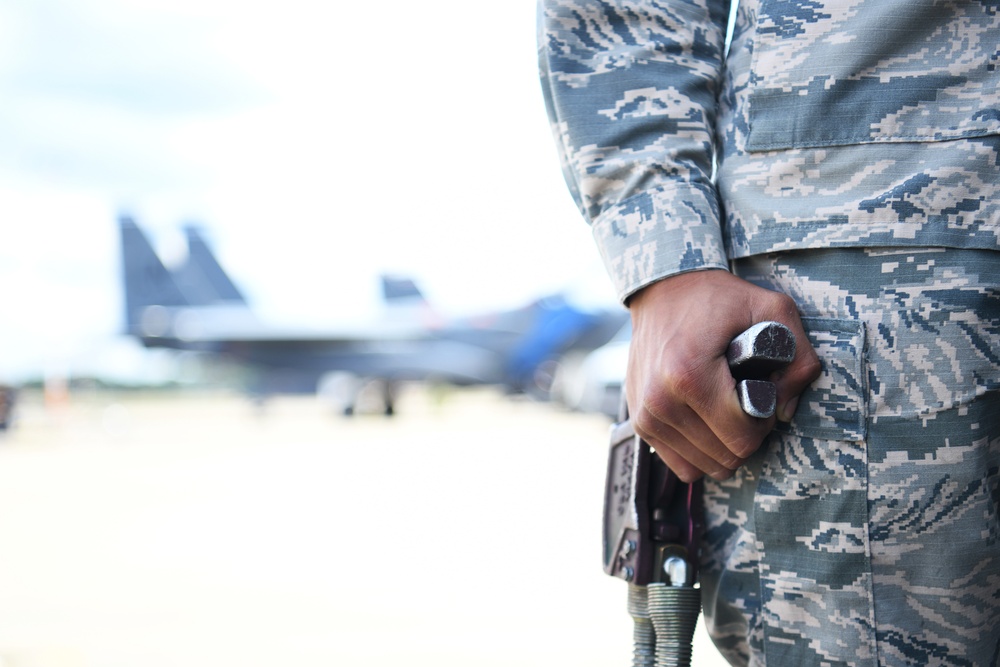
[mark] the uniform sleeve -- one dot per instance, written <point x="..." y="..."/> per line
<point x="631" y="88"/>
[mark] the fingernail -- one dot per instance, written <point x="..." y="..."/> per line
<point x="788" y="411"/>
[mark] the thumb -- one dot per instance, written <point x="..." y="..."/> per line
<point x="787" y="410"/>
<point x="794" y="379"/>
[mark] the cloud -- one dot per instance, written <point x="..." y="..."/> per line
<point x="321" y="143"/>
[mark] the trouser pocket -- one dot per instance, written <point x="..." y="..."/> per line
<point x="811" y="514"/>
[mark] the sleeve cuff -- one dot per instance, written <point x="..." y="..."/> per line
<point x="658" y="234"/>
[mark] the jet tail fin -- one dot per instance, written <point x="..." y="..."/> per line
<point x="201" y="278"/>
<point x="400" y="290"/>
<point x="147" y="281"/>
<point x="404" y="302"/>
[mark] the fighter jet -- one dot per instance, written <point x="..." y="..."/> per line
<point x="197" y="307"/>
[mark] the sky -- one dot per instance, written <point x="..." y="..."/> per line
<point x="316" y="144"/>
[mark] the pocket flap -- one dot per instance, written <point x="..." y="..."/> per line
<point x="835" y="406"/>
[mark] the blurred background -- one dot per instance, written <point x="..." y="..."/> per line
<point x="159" y="504"/>
<point x="318" y="147"/>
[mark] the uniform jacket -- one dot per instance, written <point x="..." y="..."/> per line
<point x="829" y="123"/>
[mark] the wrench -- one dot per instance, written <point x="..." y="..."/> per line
<point x="753" y="356"/>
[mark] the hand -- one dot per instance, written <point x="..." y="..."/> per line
<point x="681" y="396"/>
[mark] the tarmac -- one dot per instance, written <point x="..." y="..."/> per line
<point x="197" y="529"/>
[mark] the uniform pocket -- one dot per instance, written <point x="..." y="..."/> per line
<point x="811" y="514"/>
<point x="834" y="407"/>
<point x="846" y="72"/>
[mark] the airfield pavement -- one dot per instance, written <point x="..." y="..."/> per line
<point x="195" y="530"/>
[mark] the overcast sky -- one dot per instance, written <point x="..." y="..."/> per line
<point x="318" y="145"/>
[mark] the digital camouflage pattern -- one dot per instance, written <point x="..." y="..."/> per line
<point x="866" y="532"/>
<point x="852" y="538"/>
<point x="631" y="90"/>
<point x="814" y="118"/>
<point x="887" y="114"/>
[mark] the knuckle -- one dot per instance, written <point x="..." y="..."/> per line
<point x="686" y="382"/>
<point x="812" y="367"/>
<point x="644" y="423"/>
<point x="742" y="447"/>
<point x="676" y="385"/>
<point x="781" y="303"/>
<point x="730" y="461"/>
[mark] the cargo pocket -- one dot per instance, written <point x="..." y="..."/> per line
<point x="811" y="514"/>
<point x="834" y="407"/>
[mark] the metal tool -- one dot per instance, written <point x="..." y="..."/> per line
<point x="653" y="521"/>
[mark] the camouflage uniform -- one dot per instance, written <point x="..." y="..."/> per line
<point x="866" y="532"/>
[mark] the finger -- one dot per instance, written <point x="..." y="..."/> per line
<point x="712" y="418"/>
<point x="685" y="471"/>
<point x="791" y="381"/>
<point x="683" y="454"/>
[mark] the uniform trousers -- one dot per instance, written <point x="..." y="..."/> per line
<point x="866" y="531"/>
